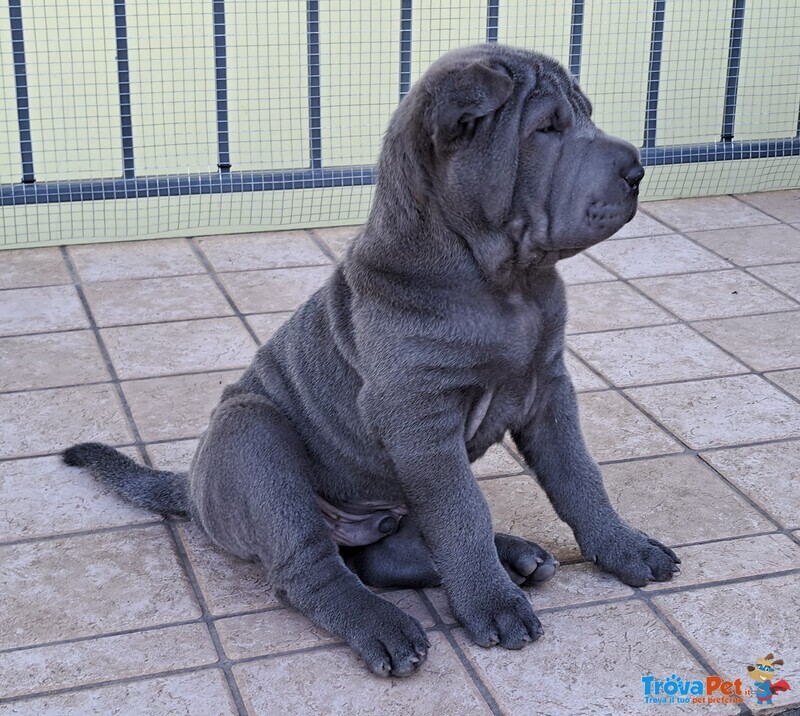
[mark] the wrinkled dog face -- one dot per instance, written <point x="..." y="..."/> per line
<point x="509" y="145"/>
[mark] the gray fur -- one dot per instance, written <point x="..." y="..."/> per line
<point x="442" y="329"/>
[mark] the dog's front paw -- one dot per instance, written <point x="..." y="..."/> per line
<point x="632" y="556"/>
<point x="501" y="616"/>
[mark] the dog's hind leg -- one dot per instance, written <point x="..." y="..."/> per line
<point x="403" y="560"/>
<point x="251" y="491"/>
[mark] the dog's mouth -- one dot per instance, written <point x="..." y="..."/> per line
<point x="603" y="215"/>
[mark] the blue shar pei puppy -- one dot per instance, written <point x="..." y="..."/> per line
<point x="342" y="455"/>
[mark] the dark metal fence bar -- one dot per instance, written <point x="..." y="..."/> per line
<point x="314" y="91"/>
<point x="492" y="20"/>
<point x="734" y="62"/>
<point x="221" y="71"/>
<point x="21" y="78"/>
<point x="124" y="82"/>
<point x="405" y="47"/>
<point x="654" y="75"/>
<point x="219" y="183"/>
<point x="576" y="38"/>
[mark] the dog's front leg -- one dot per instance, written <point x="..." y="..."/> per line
<point x="430" y="460"/>
<point x="552" y="444"/>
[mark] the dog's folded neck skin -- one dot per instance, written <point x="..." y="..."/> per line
<point x="476" y="176"/>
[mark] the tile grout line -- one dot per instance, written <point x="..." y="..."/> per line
<point x="322" y="245"/>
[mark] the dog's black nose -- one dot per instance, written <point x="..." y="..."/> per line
<point x="634" y="175"/>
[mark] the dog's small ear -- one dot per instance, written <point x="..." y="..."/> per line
<point x="777" y="662"/>
<point x="465" y="96"/>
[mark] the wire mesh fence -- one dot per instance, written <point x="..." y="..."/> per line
<point x="139" y="118"/>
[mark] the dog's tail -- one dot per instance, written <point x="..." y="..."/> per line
<point x="158" y="490"/>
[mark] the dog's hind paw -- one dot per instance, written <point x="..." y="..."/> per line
<point x="526" y="562"/>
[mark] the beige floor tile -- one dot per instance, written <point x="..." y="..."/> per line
<point x="753" y="245"/>
<point x="23" y="268"/>
<point x="785" y="278"/>
<point x="87" y="585"/>
<point x="768" y="474"/>
<point x="176" y="456"/>
<point x="335" y="681"/>
<point x="496" y="461"/>
<point x="180" y="347"/>
<point x="594" y="657"/>
<point x="92" y="661"/>
<point x="652" y="355"/>
<point x="282" y="630"/>
<point x="769" y="342"/>
<point x="722" y="411"/>
<point x="735" y="624"/>
<point x="678" y="499"/>
<point x="265" y="324"/>
<point x="248" y="252"/>
<point x="48" y="360"/>
<point x="615" y="430"/>
<point x="706" y="213"/>
<point x="581" y="269"/>
<point x="134" y="259"/>
<point x="655" y="256"/>
<point x="42" y="496"/>
<point x="202" y="692"/>
<point x="47" y="421"/>
<point x="642" y="225"/>
<point x="229" y="585"/>
<point x="520" y="507"/>
<point x="789" y="380"/>
<point x="172" y="298"/>
<point x="37" y="310"/>
<point x="714" y="294"/>
<point x="607" y="306"/>
<point x="582" y="378"/>
<point x="176" y="407"/>
<point x="733" y="559"/>
<point x="274" y="290"/>
<point x="573" y="584"/>
<point x="337" y="238"/>
<point x="783" y="205"/>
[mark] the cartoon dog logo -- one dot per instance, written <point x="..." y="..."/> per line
<point x="762" y="674"/>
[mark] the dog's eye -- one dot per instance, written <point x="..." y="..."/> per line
<point x="549" y="127"/>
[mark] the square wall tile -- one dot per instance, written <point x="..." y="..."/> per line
<point x="88" y="585"/>
<point x="23" y="268"/>
<point x="175" y="407"/>
<point x="783" y="205"/>
<point x="266" y="324"/>
<point x="615" y="430"/>
<point x="753" y="245"/>
<point x="642" y="225"/>
<point x="768" y="474"/>
<point x="769" y="342"/>
<point x="173" y="298"/>
<point x="606" y="306"/>
<point x="335" y="681"/>
<point x="678" y="499"/>
<point x="200" y="692"/>
<point x="274" y="290"/>
<point x="180" y="347"/>
<point x="124" y="656"/>
<point x="581" y="269"/>
<point x="653" y="355"/>
<point x="42" y="496"/>
<point x="733" y="559"/>
<point x="735" y="624"/>
<point x="600" y="652"/>
<point x="134" y="259"/>
<point x="722" y="411"/>
<point x="708" y="212"/>
<point x="38" y="310"/>
<point x="337" y="238"/>
<point x="655" y="256"/>
<point x="48" y="360"/>
<point x="48" y="421"/>
<point x="248" y="252"/>
<point x="785" y="278"/>
<point x="714" y="294"/>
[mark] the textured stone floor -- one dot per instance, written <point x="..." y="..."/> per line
<point x="685" y="347"/>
